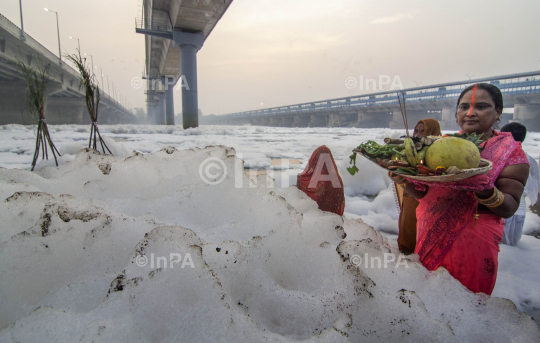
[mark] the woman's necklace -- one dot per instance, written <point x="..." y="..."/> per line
<point x="489" y="133"/>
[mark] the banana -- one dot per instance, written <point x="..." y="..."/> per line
<point x="406" y="171"/>
<point x="410" y="152"/>
<point x="422" y="153"/>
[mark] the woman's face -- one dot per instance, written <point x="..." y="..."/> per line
<point x="483" y="115"/>
<point x="419" y="130"/>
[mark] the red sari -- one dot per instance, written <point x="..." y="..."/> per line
<point x="447" y="235"/>
<point x="320" y="180"/>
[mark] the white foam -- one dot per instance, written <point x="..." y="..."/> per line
<point x="267" y="264"/>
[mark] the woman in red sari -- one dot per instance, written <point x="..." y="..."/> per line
<point x="460" y="224"/>
<point x="320" y="180"/>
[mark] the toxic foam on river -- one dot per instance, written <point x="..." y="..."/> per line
<point x="267" y="264"/>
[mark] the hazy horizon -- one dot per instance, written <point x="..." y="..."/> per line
<point x="273" y="53"/>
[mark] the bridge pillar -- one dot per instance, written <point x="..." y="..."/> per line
<point x="265" y="121"/>
<point x="375" y="119"/>
<point x="150" y="104"/>
<point x="318" y="121"/>
<point x="255" y="121"/>
<point x="528" y="115"/>
<point x="162" y="119"/>
<point x="14" y="103"/>
<point x="353" y="119"/>
<point x="287" y="121"/>
<point x="356" y="119"/>
<point x="336" y="120"/>
<point x="168" y="103"/>
<point x="150" y="114"/>
<point x="65" y="111"/>
<point x="397" y="120"/>
<point x="301" y="121"/>
<point x="275" y="121"/>
<point x="107" y="115"/>
<point x="448" y="119"/>
<point x="413" y="117"/>
<point x="189" y="44"/>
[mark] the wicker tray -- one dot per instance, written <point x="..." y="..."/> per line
<point x="484" y="167"/>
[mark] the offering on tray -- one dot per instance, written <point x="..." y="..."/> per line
<point x="430" y="158"/>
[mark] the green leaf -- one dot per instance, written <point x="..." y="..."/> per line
<point x="353" y="170"/>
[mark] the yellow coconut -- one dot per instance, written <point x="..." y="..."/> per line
<point x="452" y="151"/>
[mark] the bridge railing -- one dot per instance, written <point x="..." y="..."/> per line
<point x="158" y="21"/>
<point x="34" y="45"/>
<point x="514" y="86"/>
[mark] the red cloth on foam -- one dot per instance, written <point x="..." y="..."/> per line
<point x="320" y="180"/>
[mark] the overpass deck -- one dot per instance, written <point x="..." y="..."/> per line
<point x="63" y="89"/>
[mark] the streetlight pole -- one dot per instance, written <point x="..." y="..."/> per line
<point x="58" y="31"/>
<point x="78" y="42"/>
<point x="114" y="91"/>
<point x="101" y="71"/>
<point x="108" y="86"/>
<point x="23" y="38"/>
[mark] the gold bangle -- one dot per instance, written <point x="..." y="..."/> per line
<point x="403" y="184"/>
<point x="495" y="202"/>
<point x="491" y="200"/>
<point x="488" y="200"/>
<point x="499" y="203"/>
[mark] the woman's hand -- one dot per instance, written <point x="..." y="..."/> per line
<point x="485" y="194"/>
<point x="511" y="183"/>
<point x="396" y="178"/>
<point x="410" y="188"/>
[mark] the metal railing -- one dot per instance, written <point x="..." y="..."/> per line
<point x="516" y="84"/>
<point x="158" y="22"/>
<point x="36" y="46"/>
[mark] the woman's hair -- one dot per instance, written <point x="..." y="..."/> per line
<point x="493" y="91"/>
<point x="518" y="131"/>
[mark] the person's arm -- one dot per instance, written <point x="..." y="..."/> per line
<point x="407" y="187"/>
<point x="511" y="182"/>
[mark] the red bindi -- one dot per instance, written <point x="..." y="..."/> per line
<point x="472" y="101"/>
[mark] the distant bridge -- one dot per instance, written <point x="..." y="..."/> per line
<point x="65" y="102"/>
<point x="520" y="91"/>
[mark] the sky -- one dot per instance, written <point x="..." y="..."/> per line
<point x="266" y="53"/>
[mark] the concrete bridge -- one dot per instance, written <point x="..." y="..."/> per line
<point x="65" y="103"/>
<point x="175" y="30"/>
<point x="520" y="91"/>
